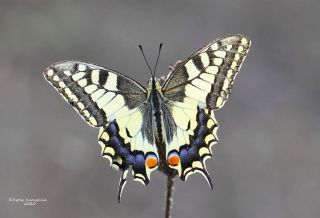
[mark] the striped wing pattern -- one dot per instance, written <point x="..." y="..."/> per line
<point x="205" y="79"/>
<point x="196" y="88"/>
<point x="192" y="140"/>
<point x="100" y="96"/>
<point x="121" y="108"/>
<point x="126" y="148"/>
<point x="96" y="93"/>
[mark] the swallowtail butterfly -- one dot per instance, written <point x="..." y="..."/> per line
<point x="170" y="125"/>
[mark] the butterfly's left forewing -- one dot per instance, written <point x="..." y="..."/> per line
<point x="115" y="103"/>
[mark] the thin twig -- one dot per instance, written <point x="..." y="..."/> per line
<point x="169" y="200"/>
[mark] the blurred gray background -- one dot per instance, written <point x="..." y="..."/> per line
<point x="267" y="161"/>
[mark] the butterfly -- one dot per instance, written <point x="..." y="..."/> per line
<point x="170" y="125"/>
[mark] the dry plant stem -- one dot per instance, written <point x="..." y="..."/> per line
<point x="170" y="173"/>
<point x="169" y="200"/>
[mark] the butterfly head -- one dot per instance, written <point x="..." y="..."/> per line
<point x="154" y="83"/>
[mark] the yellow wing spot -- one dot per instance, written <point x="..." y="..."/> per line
<point x="56" y="78"/>
<point x="68" y="92"/>
<point x="236" y="57"/>
<point x="109" y="150"/>
<point x="195" y="93"/>
<point x="208" y="77"/>
<point x="105" y="99"/>
<point x="67" y="73"/>
<point x="219" y="101"/>
<point x="90" y="88"/>
<point x="234" y="65"/>
<point x="93" y="121"/>
<point x="115" y="104"/>
<point x="226" y="84"/>
<point x="244" y="41"/>
<point x="105" y="136"/>
<point x="191" y="70"/>
<point x="240" y="48"/>
<point x="80" y="105"/>
<point x="95" y="76"/>
<point x="78" y="76"/>
<point x="204" y="151"/>
<point x="62" y="84"/>
<point x="212" y="69"/>
<point x="86" y="113"/>
<point x="214" y="46"/>
<point x="50" y="72"/>
<point x="210" y="123"/>
<point x="217" y="61"/>
<point x="202" y="84"/>
<point x="209" y="138"/>
<point x="82" y="82"/>
<point x="204" y="59"/>
<point x="82" y="67"/>
<point x="97" y="94"/>
<point x="197" y="164"/>
<point x="111" y="83"/>
<point x="220" y="54"/>
<point x="230" y="74"/>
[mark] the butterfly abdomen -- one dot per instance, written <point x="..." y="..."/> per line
<point x="156" y="108"/>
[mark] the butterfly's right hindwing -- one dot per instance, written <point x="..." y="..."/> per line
<point x="99" y="95"/>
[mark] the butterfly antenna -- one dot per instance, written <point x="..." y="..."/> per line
<point x="146" y="60"/>
<point x="155" y="67"/>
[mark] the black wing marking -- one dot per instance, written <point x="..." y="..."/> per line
<point x="99" y="95"/>
<point x="205" y="79"/>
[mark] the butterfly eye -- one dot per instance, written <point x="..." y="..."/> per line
<point x="173" y="158"/>
<point x="151" y="161"/>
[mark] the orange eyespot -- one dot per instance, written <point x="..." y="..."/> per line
<point x="173" y="159"/>
<point x="152" y="161"/>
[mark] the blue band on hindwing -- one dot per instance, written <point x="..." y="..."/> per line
<point x="190" y="153"/>
<point x="136" y="159"/>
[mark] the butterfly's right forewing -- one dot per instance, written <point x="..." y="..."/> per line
<point x="206" y="78"/>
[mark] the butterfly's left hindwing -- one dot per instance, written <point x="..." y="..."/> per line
<point x="129" y="141"/>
